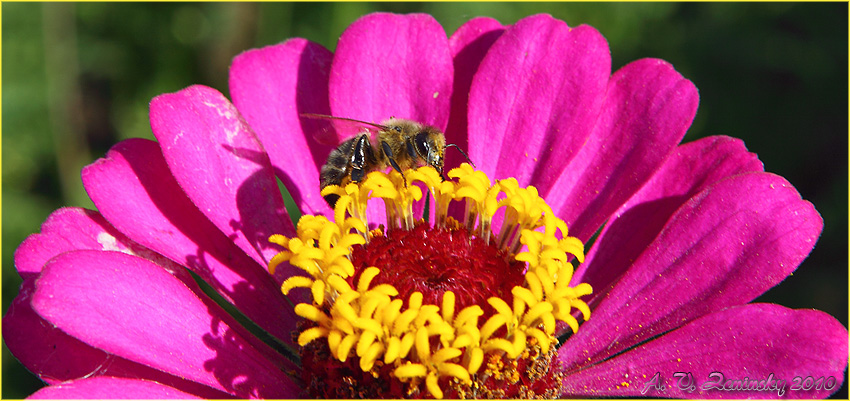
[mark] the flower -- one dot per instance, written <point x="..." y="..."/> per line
<point x="690" y="233"/>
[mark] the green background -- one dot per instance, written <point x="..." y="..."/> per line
<point x="78" y="77"/>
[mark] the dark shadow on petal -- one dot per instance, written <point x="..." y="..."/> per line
<point x="260" y="159"/>
<point x="246" y="202"/>
<point x="235" y="378"/>
<point x="311" y="96"/>
<point x="457" y="130"/>
<point x="147" y="163"/>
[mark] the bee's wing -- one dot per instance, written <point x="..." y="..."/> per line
<point x="330" y="130"/>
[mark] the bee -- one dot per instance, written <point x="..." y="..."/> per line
<point x="400" y="144"/>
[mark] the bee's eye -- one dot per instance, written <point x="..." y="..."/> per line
<point x="421" y="142"/>
<point x="397" y="129"/>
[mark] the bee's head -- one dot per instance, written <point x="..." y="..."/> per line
<point x="430" y="145"/>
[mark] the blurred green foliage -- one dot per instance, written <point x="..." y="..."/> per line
<point x="78" y="77"/>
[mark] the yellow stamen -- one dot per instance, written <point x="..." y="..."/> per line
<point x="372" y="323"/>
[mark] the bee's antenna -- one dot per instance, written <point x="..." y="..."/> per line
<point x="462" y="152"/>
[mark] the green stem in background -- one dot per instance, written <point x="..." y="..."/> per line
<point x="65" y="107"/>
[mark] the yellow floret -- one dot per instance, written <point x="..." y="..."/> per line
<point x="372" y="323"/>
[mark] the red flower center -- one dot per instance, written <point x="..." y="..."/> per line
<point x="432" y="261"/>
<point x="435" y="260"/>
<point x="450" y="310"/>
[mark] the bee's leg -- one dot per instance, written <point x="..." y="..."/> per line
<point x="356" y="175"/>
<point x="358" y="158"/>
<point x="389" y="153"/>
<point x="426" y="213"/>
<point x="411" y="151"/>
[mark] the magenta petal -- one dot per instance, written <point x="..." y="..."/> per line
<point x="389" y="65"/>
<point x="132" y="308"/>
<point x="271" y="87"/>
<point x="70" y="229"/>
<point x="38" y="344"/>
<point x="769" y="346"/>
<point x="647" y="110"/>
<point x="134" y="189"/>
<point x="469" y="44"/>
<point x="535" y="99"/>
<point x="222" y="167"/>
<point x="56" y="357"/>
<point x="687" y="171"/>
<point x="724" y="247"/>
<point x="102" y="387"/>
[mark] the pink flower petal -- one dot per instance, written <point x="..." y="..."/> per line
<point x="130" y="307"/>
<point x="389" y="65"/>
<point x="759" y="343"/>
<point x="271" y="87"/>
<point x="46" y="350"/>
<point x="222" y="167"/>
<point x="535" y="98"/>
<point x="648" y="108"/>
<point x="690" y="169"/>
<point x="103" y="387"/>
<point x="69" y="229"/>
<point x="134" y="189"/>
<point x="469" y="44"/>
<point x="724" y="247"/>
<point x="56" y="357"/>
